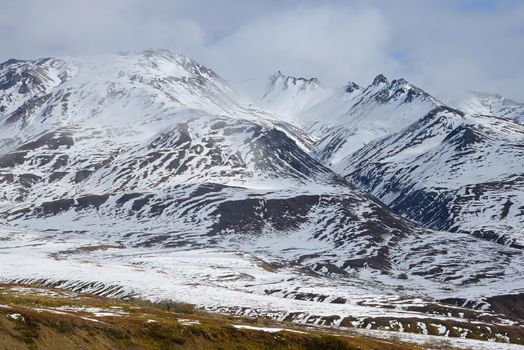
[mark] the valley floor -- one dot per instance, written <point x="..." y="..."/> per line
<point x="275" y="292"/>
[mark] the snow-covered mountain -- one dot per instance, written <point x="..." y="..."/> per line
<point x="155" y="139"/>
<point x="290" y="96"/>
<point x="450" y="171"/>
<point x="398" y="142"/>
<point x="354" y="116"/>
<point x="492" y="104"/>
<point x="110" y="91"/>
<point x="152" y="153"/>
<point x="382" y="137"/>
<point x="344" y="120"/>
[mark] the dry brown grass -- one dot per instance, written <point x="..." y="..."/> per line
<point x="46" y="329"/>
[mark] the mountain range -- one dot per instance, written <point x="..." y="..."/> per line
<point x="381" y="191"/>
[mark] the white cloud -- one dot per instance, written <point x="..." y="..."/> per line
<point x="36" y="28"/>
<point x="336" y="44"/>
<point x="450" y="50"/>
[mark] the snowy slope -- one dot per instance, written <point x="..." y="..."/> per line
<point x="450" y="171"/>
<point x="257" y="284"/>
<point x="355" y="116"/>
<point x="115" y="88"/>
<point x="492" y="104"/>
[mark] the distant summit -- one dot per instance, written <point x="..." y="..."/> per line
<point x="492" y="104"/>
<point x="380" y="79"/>
<point x="290" y="95"/>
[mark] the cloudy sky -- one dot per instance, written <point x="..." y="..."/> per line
<point x="445" y="46"/>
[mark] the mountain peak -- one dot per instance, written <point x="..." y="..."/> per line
<point x="488" y="97"/>
<point x="135" y="78"/>
<point x="166" y="53"/>
<point x="485" y="103"/>
<point x="400" y="81"/>
<point x="380" y="79"/>
<point x="289" y="80"/>
<point x="351" y="86"/>
<point x="288" y="95"/>
<point x="278" y="74"/>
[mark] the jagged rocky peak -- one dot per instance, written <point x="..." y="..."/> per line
<point x="380" y="79"/>
<point x="397" y="86"/>
<point x="351" y="87"/>
<point x="287" y="80"/>
<point x="399" y="89"/>
<point x="288" y="95"/>
<point x="402" y="86"/>
<point x="383" y="82"/>
<point x="355" y="116"/>
<point x="400" y="82"/>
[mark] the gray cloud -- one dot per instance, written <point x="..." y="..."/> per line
<point x="452" y="48"/>
<point x="446" y="46"/>
<point x="31" y="28"/>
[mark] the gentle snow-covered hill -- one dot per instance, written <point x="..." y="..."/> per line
<point x="450" y="171"/>
<point x="492" y="104"/>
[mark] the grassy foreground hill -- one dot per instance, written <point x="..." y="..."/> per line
<point x="46" y="318"/>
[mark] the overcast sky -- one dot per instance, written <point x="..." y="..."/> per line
<point x="446" y="47"/>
